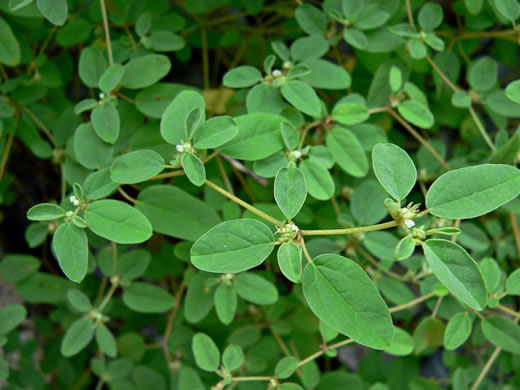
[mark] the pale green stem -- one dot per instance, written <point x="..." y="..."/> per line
<point x="361" y="229"/>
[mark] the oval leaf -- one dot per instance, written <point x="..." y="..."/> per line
<point x="342" y="295"/>
<point x="71" y="248"/>
<point x="118" y="221"/>
<point x="147" y="298"/>
<point x="137" y="166"/>
<point x="394" y="169"/>
<point x="290" y="191"/>
<point x="455" y="268"/>
<point x="77" y="337"/>
<point x="473" y="191"/>
<point x="206" y="352"/>
<point x="233" y="246"/>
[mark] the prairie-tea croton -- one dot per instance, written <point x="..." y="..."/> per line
<point x="240" y="194"/>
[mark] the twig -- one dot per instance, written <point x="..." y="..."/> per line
<point x="486" y="368"/>
<point x="107" y="31"/>
<point x="419" y="138"/>
<point x="243" y="204"/>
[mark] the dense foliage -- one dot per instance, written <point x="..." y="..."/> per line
<point x="245" y="194"/>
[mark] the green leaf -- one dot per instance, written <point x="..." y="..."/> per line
<point x="137" y="166"/>
<point x="10" y="54"/>
<point x="474" y="6"/>
<point x="99" y="184"/>
<point x="402" y="343"/>
<point x="90" y="150"/>
<point x="15" y="268"/>
<point x="71" y="247"/>
<point x="309" y="47"/>
<point x="242" y="77"/>
<point x="225" y="303"/>
<point x="215" y="132"/>
<point x="10" y="317"/>
<point x="302" y="97"/>
<point x="106" y="122"/>
<point x="461" y="99"/>
<point x="91" y="66"/>
<point x="491" y="272"/>
<point x="458" y="330"/>
<point x="189" y="379"/>
<point x="473" y="191"/>
<point x="286" y="367"/>
<point x="509" y="9"/>
<point x="206" y="352"/>
<point x="111" y="78"/>
<point x="79" y="300"/>
<point x="342" y="295"/>
<point x="199" y="298"/>
<point x="395" y="78"/>
<point x="352" y="8"/>
<point x="55" y="11"/>
<point x="367" y="203"/>
<point x="513" y="91"/>
<point x="147" y="298"/>
<point x="141" y="72"/>
<point x="455" y="268"/>
<point x="265" y="98"/>
<point x="118" y="221"/>
<point x="405" y="248"/>
<point x="483" y="73"/>
<point x="233" y="357"/>
<point x="233" y="246"/>
<point x="290" y="261"/>
<point x="355" y="38"/>
<point x="416" y="113"/>
<point x="15" y="5"/>
<point x="430" y="16"/>
<point x="394" y="169"/>
<point x="326" y="75"/>
<point x="347" y="151"/>
<point x="45" y="212"/>
<point x="133" y="264"/>
<point x="162" y="204"/>
<point x="502" y="332"/>
<point x="417" y="49"/>
<point x="512" y="284"/>
<point x="255" y="289"/>
<point x="194" y="169"/>
<point x="165" y="41"/>
<point x="77" y="337"/>
<point x="310" y="19"/>
<point x="290" y="191"/>
<point x="429" y="333"/>
<point x="258" y="137"/>
<point x="106" y="341"/>
<point x="318" y="179"/>
<point x="350" y="113"/>
<point x="174" y="118"/>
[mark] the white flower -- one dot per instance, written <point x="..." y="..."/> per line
<point x="277" y="73"/>
<point x="72" y="199"/>
<point x="409" y="223"/>
<point x="101" y="95"/>
<point x="76" y="202"/>
<point x="294" y="228"/>
<point x="180" y="148"/>
<point x="287" y="64"/>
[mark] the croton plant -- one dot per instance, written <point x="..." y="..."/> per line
<point x="260" y="194"/>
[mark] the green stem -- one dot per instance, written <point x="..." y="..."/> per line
<point x="107" y="31"/>
<point x="111" y="292"/>
<point x="486" y="368"/>
<point x="243" y="204"/>
<point x="509" y="311"/>
<point x="361" y="229"/>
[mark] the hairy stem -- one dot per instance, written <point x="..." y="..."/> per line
<point x="243" y="204"/>
<point x="107" y="31"/>
<point x="361" y="229"/>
